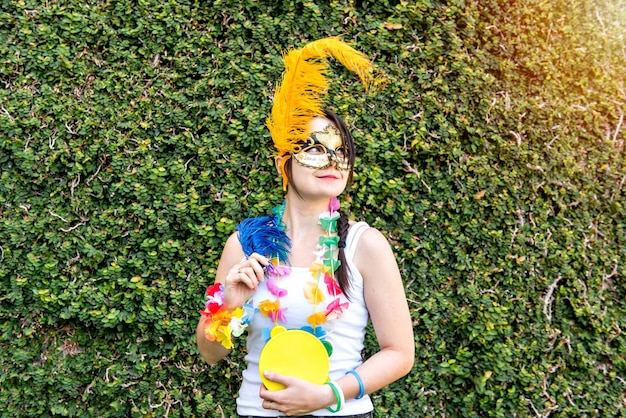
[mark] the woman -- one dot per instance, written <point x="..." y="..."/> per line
<point x="319" y="272"/>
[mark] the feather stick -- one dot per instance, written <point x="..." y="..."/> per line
<point x="264" y="236"/>
<point x="299" y="97"/>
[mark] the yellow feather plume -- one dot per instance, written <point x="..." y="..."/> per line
<point x="299" y="97"/>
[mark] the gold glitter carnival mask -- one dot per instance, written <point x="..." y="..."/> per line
<point x="321" y="149"/>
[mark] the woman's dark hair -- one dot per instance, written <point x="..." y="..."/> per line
<point x="343" y="223"/>
<point x="343" y="272"/>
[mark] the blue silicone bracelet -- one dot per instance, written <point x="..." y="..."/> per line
<point x="361" y="386"/>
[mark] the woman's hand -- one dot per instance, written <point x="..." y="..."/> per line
<point x="240" y="280"/>
<point x="299" y="397"/>
<point x="243" y="279"/>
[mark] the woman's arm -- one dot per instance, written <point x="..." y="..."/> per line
<point x="240" y="277"/>
<point x="389" y="311"/>
<point x="388" y="308"/>
<point x="211" y="351"/>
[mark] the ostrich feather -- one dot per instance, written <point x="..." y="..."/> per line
<point x="300" y="95"/>
<point x="263" y="235"/>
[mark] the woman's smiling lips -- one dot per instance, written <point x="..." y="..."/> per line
<point x="328" y="177"/>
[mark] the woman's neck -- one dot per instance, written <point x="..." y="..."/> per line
<point x="301" y="217"/>
<point x="302" y="226"/>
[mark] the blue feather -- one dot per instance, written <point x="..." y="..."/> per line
<point x="264" y="235"/>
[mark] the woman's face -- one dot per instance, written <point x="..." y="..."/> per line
<point x="322" y="148"/>
<point x="319" y="169"/>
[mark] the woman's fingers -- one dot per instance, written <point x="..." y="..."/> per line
<point x="249" y="272"/>
<point x="299" y="397"/>
<point x="249" y="280"/>
<point x="279" y="378"/>
<point x="258" y="264"/>
<point x="254" y="266"/>
<point x="243" y="279"/>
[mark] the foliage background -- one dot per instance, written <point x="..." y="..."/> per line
<point x="132" y="141"/>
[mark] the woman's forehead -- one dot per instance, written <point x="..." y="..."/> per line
<point x="318" y="124"/>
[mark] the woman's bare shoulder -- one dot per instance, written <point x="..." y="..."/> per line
<point x="232" y="249"/>
<point x="371" y="242"/>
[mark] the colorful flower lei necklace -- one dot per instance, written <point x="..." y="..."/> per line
<point x="265" y="235"/>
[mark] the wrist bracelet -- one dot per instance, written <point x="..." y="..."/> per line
<point x="358" y="379"/>
<point x="338" y="395"/>
<point x="222" y="323"/>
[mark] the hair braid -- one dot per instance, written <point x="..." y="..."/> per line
<point x="342" y="273"/>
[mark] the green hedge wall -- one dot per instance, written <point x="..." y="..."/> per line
<point x="132" y="141"/>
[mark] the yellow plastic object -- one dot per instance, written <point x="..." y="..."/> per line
<point x="294" y="353"/>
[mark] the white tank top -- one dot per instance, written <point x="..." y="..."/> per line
<point x="346" y="334"/>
